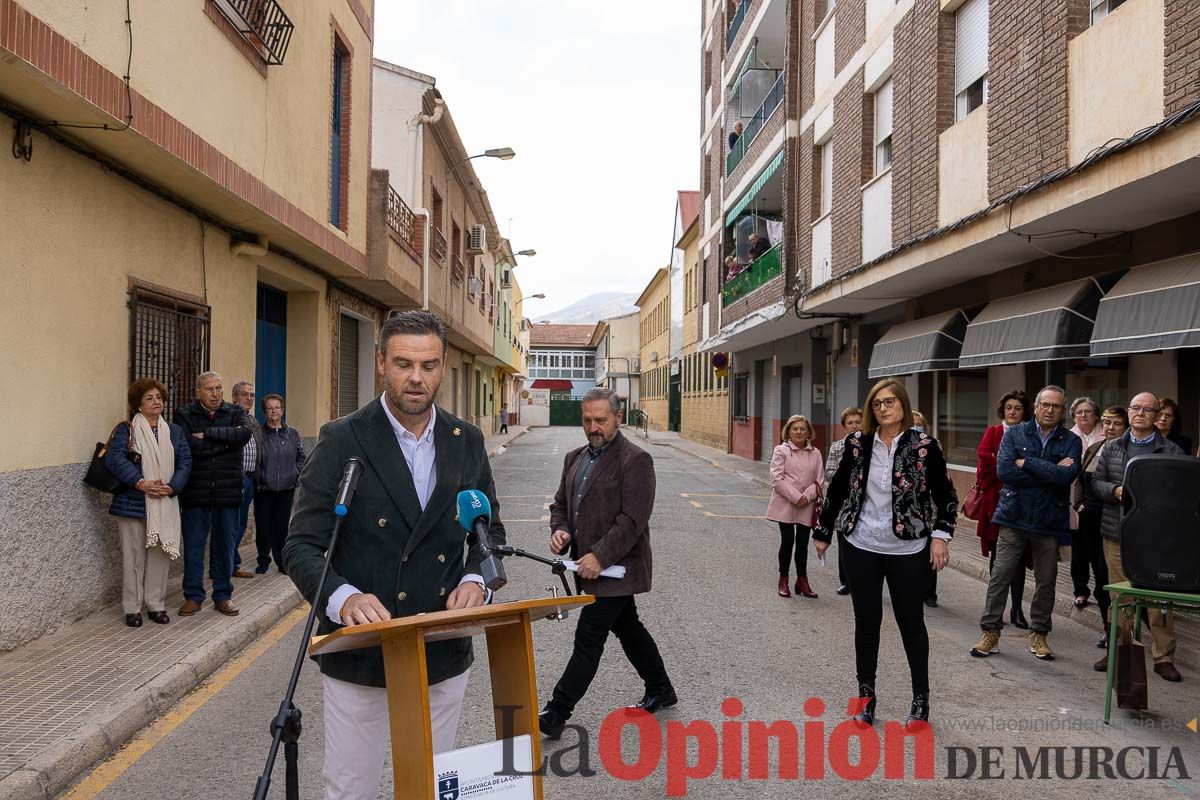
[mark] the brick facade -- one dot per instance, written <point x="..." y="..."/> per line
<point x="1181" y="72"/>
<point x="1027" y="89"/>
<point x="850" y="31"/>
<point x="922" y="107"/>
<point x="848" y="126"/>
<point x="791" y="160"/>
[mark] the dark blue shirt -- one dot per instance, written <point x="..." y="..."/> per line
<point x="590" y="457"/>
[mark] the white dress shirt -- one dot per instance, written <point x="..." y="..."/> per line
<point x="874" y="529"/>
<point x="421" y="456"/>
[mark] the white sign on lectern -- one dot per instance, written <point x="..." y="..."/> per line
<point x="470" y="772"/>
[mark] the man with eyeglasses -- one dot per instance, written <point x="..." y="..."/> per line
<point x="1142" y="439"/>
<point x="1037" y="463"/>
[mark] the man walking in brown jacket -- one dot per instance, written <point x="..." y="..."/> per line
<point x="601" y="516"/>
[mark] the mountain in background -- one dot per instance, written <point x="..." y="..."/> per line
<point x="593" y="308"/>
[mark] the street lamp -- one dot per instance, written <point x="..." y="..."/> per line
<point x="529" y="252"/>
<point x="502" y="153"/>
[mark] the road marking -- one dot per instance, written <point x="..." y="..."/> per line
<point x="127" y="756"/>
<point x="694" y="503"/>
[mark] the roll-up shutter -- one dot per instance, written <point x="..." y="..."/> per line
<point x="348" y="366"/>
<point x="971" y="44"/>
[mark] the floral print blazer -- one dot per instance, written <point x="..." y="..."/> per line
<point x="923" y="496"/>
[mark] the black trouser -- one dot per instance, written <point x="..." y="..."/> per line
<point x="906" y="578"/>
<point x="1087" y="554"/>
<point x="843" y="579"/>
<point x="272" y="511"/>
<point x="793" y="536"/>
<point x="931" y="583"/>
<point x="1017" y="587"/>
<point x="617" y="615"/>
<point x="504" y="427"/>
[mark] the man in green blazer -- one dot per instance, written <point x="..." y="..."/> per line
<point x="400" y="552"/>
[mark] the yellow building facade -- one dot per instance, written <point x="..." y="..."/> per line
<point x="654" y="325"/>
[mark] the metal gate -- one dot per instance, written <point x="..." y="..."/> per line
<point x="169" y="341"/>
<point x="566" y="412"/>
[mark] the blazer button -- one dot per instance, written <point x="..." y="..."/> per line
<point x="441" y="558"/>
<point x="404" y="559"/>
<point x="382" y="522"/>
<point x="402" y="596"/>
<point x="442" y="592"/>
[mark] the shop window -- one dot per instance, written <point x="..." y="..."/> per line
<point x="963" y="413"/>
<point x="1105" y="380"/>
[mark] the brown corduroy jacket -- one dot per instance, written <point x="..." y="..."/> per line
<point x="613" y="517"/>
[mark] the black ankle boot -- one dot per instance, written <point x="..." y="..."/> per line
<point x="1017" y="616"/>
<point x="866" y="715"/>
<point x="918" y="713"/>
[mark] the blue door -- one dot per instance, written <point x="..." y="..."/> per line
<point x="270" y="368"/>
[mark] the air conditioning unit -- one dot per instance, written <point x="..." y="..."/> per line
<point x="635" y="366"/>
<point x="474" y="286"/>
<point x="477" y="239"/>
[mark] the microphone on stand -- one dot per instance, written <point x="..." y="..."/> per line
<point x="345" y="492"/>
<point x="475" y="515"/>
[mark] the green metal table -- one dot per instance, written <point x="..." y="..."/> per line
<point x="1142" y="598"/>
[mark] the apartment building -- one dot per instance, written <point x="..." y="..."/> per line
<point x="562" y="366"/>
<point x="187" y="192"/>
<point x="967" y="199"/>
<point x="659" y="394"/>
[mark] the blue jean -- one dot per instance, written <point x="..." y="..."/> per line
<point x="197" y="522"/>
<point x="243" y="519"/>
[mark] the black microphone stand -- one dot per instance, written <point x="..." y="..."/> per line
<point x="556" y="564"/>
<point x="286" y="727"/>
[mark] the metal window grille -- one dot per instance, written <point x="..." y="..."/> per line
<point x="400" y="217"/>
<point x="262" y="24"/>
<point x="169" y="341"/>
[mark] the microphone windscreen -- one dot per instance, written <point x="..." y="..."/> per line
<point x="472" y="504"/>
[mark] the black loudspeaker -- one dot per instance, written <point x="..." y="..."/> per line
<point x="1160" y="526"/>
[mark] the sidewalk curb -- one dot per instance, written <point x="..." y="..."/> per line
<point x="55" y="768"/>
<point x="500" y="448"/>
<point x="1063" y="607"/>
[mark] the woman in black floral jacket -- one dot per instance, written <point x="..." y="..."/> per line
<point x="892" y="500"/>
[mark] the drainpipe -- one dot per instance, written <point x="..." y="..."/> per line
<point x="416" y="125"/>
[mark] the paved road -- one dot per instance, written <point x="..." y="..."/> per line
<point x="724" y="634"/>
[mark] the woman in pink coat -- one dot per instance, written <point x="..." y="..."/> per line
<point x="796" y="474"/>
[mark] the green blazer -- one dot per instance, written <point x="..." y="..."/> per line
<point x="410" y="559"/>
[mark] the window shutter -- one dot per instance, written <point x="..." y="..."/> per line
<point x="826" y="177"/>
<point x="971" y="44"/>
<point x="883" y="112"/>
<point x="348" y="366"/>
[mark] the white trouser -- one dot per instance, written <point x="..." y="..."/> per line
<point x="357" y="733"/>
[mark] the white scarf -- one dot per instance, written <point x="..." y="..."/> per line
<point x="158" y="463"/>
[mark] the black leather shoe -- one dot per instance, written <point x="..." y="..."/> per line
<point x="133" y="620"/>
<point x="551" y="724"/>
<point x="261" y="569"/>
<point x="1017" y="617"/>
<point x="158" y="616"/>
<point x="918" y="713"/>
<point x="843" y="590"/>
<point x="931" y="602"/>
<point x="1103" y="643"/>
<point x="866" y="716"/>
<point x="653" y="701"/>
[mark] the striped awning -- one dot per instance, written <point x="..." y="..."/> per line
<point x="922" y="345"/>
<point x="1154" y="307"/>
<point x="755" y="188"/>
<point x="1045" y="325"/>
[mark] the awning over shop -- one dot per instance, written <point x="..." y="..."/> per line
<point x="755" y="188"/>
<point x="1154" y="307"/>
<point x="920" y="346"/>
<point x="1045" y="325"/>
<point x="552" y="385"/>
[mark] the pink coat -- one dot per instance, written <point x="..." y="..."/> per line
<point x="794" y="472"/>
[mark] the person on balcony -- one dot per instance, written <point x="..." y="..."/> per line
<point x="732" y="268"/>
<point x="735" y="134"/>
<point x="758" y="246"/>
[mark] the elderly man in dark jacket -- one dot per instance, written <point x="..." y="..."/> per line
<point x="1037" y="463"/>
<point x="1140" y="440"/>
<point x="216" y="432"/>
<point x="601" y="514"/>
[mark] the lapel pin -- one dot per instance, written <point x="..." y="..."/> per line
<point x="457" y="431"/>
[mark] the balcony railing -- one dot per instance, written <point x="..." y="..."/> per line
<point x="735" y="24"/>
<point x="438" y="246"/>
<point x="262" y="24"/>
<point x="750" y="131"/>
<point x="460" y="271"/>
<point x="760" y="271"/>
<point x="400" y="218"/>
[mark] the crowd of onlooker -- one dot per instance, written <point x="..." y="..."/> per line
<point x="187" y="487"/>
<point x="1048" y="474"/>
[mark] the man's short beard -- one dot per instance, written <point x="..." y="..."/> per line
<point x="406" y="406"/>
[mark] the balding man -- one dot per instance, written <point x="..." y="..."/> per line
<point x="217" y="432"/>
<point x="1141" y="439"/>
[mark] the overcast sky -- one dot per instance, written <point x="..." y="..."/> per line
<point x="601" y="103"/>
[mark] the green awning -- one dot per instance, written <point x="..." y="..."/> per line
<point x="755" y="188"/>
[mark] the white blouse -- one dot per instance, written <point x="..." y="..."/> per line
<point x="874" y="532"/>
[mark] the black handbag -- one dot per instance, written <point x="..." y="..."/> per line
<point x="98" y="475"/>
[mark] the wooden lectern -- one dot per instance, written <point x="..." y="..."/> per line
<point x="510" y="662"/>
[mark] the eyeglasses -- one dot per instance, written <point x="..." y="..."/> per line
<point x="1142" y="410"/>
<point x="884" y="402"/>
<point x="1051" y="406"/>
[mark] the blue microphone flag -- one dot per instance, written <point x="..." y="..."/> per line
<point x="472" y="504"/>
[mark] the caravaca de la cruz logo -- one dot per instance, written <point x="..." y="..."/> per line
<point x="632" y="745"/>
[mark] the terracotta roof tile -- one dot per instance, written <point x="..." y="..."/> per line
<point x="560" y="335"/>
